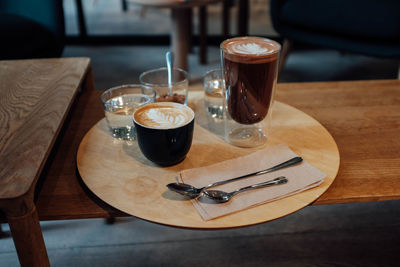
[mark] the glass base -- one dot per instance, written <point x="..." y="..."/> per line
<point x="247" y="137"/>
<point x="123" y="133"/>
<point x="215" y="111"/>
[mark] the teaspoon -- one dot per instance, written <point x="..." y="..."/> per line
<point x="169" y="56"/>
<point x="193" y="192"/>
<point x="222" y="197"/>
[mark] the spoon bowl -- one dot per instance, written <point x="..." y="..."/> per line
<point x="185" y="189"/>
<point x="222" y="197"/>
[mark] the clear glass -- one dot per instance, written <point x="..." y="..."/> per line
<point x="120" y="103"/>
<point x="213" y="88"/>
<point x="250" y="80"/>
<point x="158" y="80"/>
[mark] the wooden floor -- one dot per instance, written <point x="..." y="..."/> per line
<point x="365" y="234"/>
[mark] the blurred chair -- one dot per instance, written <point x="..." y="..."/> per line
<point x="31" y="29"/>
<point x="368" y="27"/>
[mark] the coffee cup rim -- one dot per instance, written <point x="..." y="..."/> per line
<point x="178" y="105"/>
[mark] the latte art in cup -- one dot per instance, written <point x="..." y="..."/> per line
<point x="164" y="115"/>
<point x="251" y="50"/>
<point x="164" y="131"/>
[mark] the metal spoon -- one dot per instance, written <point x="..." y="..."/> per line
<point x="169" y="56"/>
<point x="222" y="197"/>
<point x="193" y="192"/>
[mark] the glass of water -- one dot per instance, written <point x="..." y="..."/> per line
<point x="119" y="104"/>
<point x="213" y="86"/>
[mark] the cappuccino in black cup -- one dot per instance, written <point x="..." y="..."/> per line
<point x="164" y="131"/>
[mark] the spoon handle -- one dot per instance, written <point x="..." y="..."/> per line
<point x="279" y="180"/>
<point x="169" y="56"/>
<point x="285" y="164"/>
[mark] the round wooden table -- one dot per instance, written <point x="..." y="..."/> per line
<point x="180" y="23"/>
<point x="118" y="173"/>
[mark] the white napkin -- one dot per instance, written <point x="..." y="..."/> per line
<point x="300" y="177"/>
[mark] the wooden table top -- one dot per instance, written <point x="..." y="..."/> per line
<point x="362" y="116"/>
<point x="119" y="174"/>
<point x="36" y="96"/>
<point x="364" y="119"/>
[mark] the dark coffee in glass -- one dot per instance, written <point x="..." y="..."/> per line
<point x="250" y="72"/>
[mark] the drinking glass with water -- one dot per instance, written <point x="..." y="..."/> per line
<point x="213" y="86"/>
<point x="119" y="105"/>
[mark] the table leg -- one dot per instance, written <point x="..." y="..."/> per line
<point x="190" y="34"/>
<point x="28" y="239"/>
<point x="203" y="34"/>
<point x="226" y="18"/>
<point x="243" y="17"/>
<point x="81" y="19"/>
<point x="180" y="36"/>
<point x="124" y="5"/>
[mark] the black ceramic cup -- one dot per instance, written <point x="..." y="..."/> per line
<point x="164" y="131"/>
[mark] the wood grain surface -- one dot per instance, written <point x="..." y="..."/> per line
<point x="35" y="97"/>
<point x="118" y="173"/>
<point x="364" y="119"/>
<point x="362" y="116"/>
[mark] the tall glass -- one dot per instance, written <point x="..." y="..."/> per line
<point x="250" y="68"/>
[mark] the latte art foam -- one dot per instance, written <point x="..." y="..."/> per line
<point x="250" y="48"/>
<point x="163" y="115"/>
